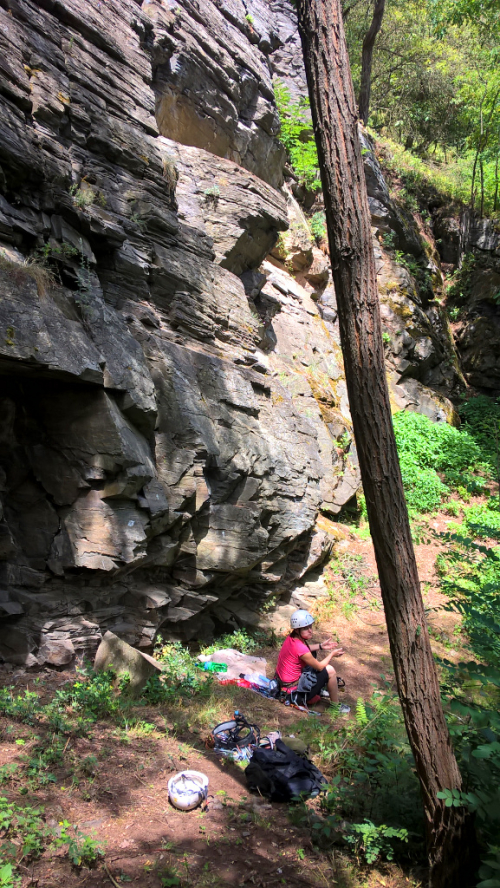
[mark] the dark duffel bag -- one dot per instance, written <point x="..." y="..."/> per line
<point x="282" y="775"/>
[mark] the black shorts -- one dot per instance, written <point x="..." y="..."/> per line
<point x="321" y="681"/>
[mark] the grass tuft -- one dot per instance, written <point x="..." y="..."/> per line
<point x="29" y="269"/>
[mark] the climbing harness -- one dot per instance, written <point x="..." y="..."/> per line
<point x="236" y="738"/>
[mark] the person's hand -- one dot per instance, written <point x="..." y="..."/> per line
<point x="338" y="652"/>
<point x="329" y="645"/>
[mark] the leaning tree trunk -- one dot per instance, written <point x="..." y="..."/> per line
<point x="366" y="60"/>
<point x="450" y="832"/>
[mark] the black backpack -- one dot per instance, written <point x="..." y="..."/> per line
<point x="283" y="776"/>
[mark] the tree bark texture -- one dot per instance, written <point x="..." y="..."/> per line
<point x="366" y="60"/>
<point x="450" y="834"/>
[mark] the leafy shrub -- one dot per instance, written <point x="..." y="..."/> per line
<point x="317" y="224"/>
<point x="374" y="778"/>
<point x="22" y="707"/>
<point x="423" y="488"/>
<point x="180" y="676"/>
<point x="460" y="282"/>
<point x="481" y="418"/>
<point x="373" y="842"/>
<point x="8" y="771"/>
<point x="94" y="695"/>
<point x="297" y="136"/>
<point x="240" y="639"/>
<point x="483" y="519"/>
<point x="470" y="576"/>
<point x="82" y="850"/>
<point x="7" y="877"/>
<point x="22" y="826"/>
<point x="426" y="448"/>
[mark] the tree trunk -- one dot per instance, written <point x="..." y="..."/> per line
<point x="450" y="832"/>
<point x="481" y="173"/>
<point x="366" y="60"/>
<point x="495" y="197"/>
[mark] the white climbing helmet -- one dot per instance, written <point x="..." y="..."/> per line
<point x="301" y="619"/>
<point x="188" y="789"/>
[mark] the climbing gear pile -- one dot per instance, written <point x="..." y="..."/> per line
<point x="236" y="738"/>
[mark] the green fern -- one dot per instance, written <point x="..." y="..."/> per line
<point x="361" y="713"/>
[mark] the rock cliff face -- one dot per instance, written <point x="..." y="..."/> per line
<point x="173" y="409"/>
<point x="477" y="333"/>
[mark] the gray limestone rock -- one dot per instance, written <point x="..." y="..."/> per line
<point x="174" y="412"/>
<point x="124" y="659"/>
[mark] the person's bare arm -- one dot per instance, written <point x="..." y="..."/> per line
<point x="310" y="660"/>
<point x="326" y="645"/>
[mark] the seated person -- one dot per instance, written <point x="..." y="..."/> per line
<point x="297" y="654"/>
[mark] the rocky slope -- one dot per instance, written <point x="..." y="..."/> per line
<point x="174" y="411"/>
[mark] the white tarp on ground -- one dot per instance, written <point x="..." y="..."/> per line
<point x="237" y="663"/>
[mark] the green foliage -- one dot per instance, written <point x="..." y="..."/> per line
<point x="82" y="850"/>
<point x="407" y="261"/>
<point x="82" y="197"/>
<point x="374" y="778"/>
<point x="72" y="709"/>
<point x="461" y="281"/>
<point x="317" y="224"/>
<point x="180" y="676"/>
<point x="7" y="877"/>
<point x="435" y="90"/>
<point x="481" y="418"/>
<point x="24" y="827"/>
<point x="240" y="639"/>
<point x="23" y="707"/>
<point x="25" y="836"/>
<point x="481" y="520"/>
<point x="297" y="136"/>
<point x="389" y="240"/>
<point x="423" y="488"/>
<point x="426" y="449"/>
<point x="93" y="696"/>
<point x="372" y="842"/>
<point x="38" y="764"/>
<point x="489" y="871"/>
<point x="52" y="250"/>
<point x="470" y="576"/>
<point x="7" y="772"/>
<point x="211" y="195"/>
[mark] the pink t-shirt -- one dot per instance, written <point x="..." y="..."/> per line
<point x="290" y="666"/>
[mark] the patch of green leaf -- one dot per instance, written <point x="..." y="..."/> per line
<point x="297" y="136"/>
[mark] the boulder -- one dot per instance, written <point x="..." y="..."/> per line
<point x="125" y="660"/>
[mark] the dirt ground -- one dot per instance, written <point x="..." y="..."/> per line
<point x="238" y="839"/>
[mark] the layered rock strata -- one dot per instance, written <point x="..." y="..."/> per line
<point x="157" y="468"/>
<point x="174" y="410"/>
